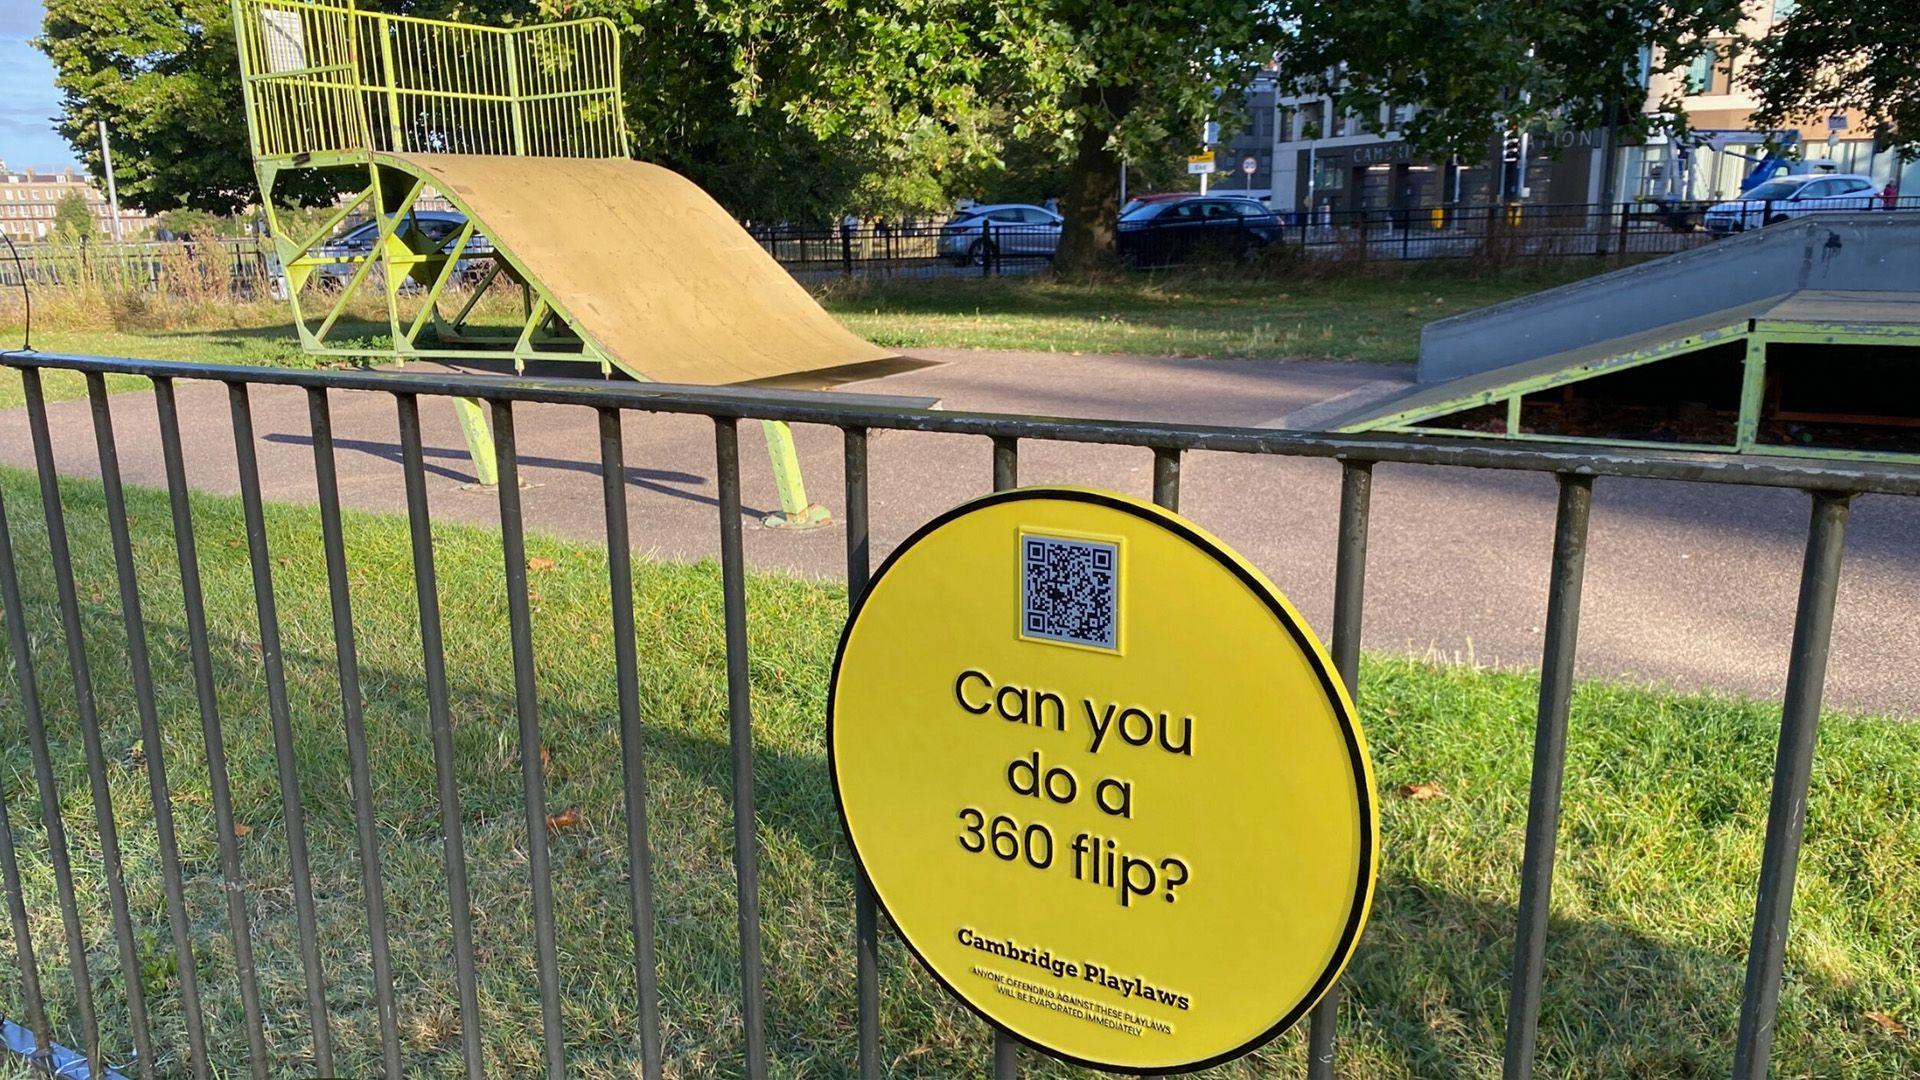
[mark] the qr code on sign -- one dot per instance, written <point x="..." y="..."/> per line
<point x="1070" y="591"/>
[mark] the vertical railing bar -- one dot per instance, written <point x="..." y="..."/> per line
<point x="866" y="917"/>
<point x="78" y="972"/>
<point x="353" y="718"/>
<point x="1549" y="769"/>
<point x="193" y="606"/>
<point x="1349" y="596"/>
<point x="746" y="855"/>
<point x="88" y="717"/>
<point x="626" y="664"/>
<point x="272" y="662"/>
<point x="1792" y="776"/>
<point x="1006" y="476"/>
<point x="513" y="551"/>
<point x="1166" y="477"/>
<point x="434" y="665"/>
<point x="14" y="612"/>
<point x="1006" y="463"/>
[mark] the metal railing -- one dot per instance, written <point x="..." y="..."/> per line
<point x="931" y="249"/>
<point x="323" y="77"/>
<point x="1498" y="232"/>
<point x="158" y="266"/>
<point x="1831" y="485"/>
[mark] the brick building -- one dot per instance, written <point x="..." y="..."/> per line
<point x="28" y="199"/>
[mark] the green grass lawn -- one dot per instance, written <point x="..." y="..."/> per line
<point x="1366" y="314"/>
<point x="1329" y="314"/>
<point x="1666" y="796"/>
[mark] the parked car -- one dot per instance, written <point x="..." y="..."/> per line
<point x="1198" y="226"/>
<point x="434" y="225"/>
<point x="1139" y="201"/>
<point x="1786" y="197"/>
<point x="978" y="232"/>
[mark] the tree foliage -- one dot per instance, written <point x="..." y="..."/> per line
<point x="73" y="218"/>
<point x="1830" y="56"/>
<point x="799" y="110"/>
<point x="1477" y="66"/>
<point x="163" y="75"/>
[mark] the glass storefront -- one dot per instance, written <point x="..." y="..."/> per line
<point x="1709" y="174"/>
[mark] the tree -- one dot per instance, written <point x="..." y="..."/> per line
<point x="715" y="89"/>
<point x="1018" y="93"/>
<point x="1830" y="56"/>
<point x="190" y="224"/>
<point x="73" y="218"/>
<point x="1474" y="67"/>
<point x="1109" y="81"/>
<point x="164" y="76"/>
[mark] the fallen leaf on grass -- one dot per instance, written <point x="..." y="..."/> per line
<point x="539" y="563"/>
<point x="1418" y="792"/>
<point x="546" y="759"/>
<point x="241" y="828"/>
<point x="1887" y="1023"/>
<point x="565" y="819"/>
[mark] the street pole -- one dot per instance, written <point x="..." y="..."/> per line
<point x="1123" y="184"/>
<point x="1313" y="168"/>
<point x="1609" y="189"/>
<point x="1206" y="145"/>
<point x="113" y="194"/>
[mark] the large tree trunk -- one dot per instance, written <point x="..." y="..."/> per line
<point x="1092" y="198"/>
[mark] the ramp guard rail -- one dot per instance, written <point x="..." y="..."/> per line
<point x="322" y="77"/>
<point x="1830" y="485"/>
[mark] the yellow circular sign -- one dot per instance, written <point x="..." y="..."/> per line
<point x="1103" y="779"/>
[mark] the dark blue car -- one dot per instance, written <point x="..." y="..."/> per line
<point x="1200" y="227"/>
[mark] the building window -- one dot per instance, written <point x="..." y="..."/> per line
<point x="1712" y="71"/>
<point x="1313" y="122"/>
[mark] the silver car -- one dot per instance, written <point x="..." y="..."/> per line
<point x="357" y="244"/>
<point x="1000" y="229"/>
<point x="1788" y="197"/>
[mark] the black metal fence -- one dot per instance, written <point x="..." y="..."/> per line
<point x="1500" y="231"/>
<point x="136" y="931"/>
<point x="879" y="248"/>
<point x="241" y="265"/>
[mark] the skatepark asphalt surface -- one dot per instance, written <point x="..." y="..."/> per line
<point x="1687" y="585"/>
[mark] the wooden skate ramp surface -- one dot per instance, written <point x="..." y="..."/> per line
<point x="646" y="265"/>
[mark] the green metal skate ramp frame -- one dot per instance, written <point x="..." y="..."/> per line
<point x="615" y="263"/>
<point x="1808" y="372"/>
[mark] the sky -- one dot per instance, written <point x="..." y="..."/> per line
<point x="28" y="101"/>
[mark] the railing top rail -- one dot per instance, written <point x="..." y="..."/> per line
<point x="864" y="411"/>
<point x="341" y="7"/>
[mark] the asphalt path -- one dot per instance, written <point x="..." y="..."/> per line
<point x="1687" y="585"/>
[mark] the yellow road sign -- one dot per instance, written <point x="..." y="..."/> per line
<point x="1103" y="778"/>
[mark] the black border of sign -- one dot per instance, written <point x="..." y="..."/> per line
<point x="1328" y="681"/>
